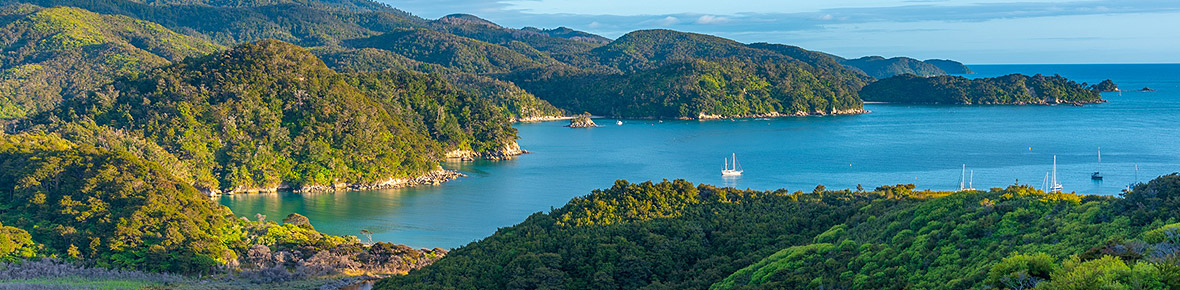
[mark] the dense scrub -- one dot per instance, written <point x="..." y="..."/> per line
<point x="675" y="235"/>
<point x="111" y="209"/>
<point x="57" y="53"/>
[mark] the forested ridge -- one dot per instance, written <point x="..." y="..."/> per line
<point x="271" y="115"/>
<point x="57" y="53"/>
<point x="1009" y="89"/>
<point x="674" y="235"/>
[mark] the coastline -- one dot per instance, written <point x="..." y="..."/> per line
<point x="508" y="151"/>
<point x="704" y="117"/>
<point x="433" y="177"/>
<point x="540" y="119"/>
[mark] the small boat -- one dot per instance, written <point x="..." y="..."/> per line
<point x="735" y="171"/>
<point x="1097" y="175"/>
<point x="619" y="122"/>
<point x="1055" y="187"/>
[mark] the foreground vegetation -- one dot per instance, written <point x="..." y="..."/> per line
<point x="674" y="235"/>
<point x="110" y="209"/>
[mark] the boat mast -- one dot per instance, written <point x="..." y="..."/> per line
<point x="963" y="179"/>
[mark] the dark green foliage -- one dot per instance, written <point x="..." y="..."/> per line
<point x="1009" y="89"/>
<point x="950" y="66"/>
<point x="1105" y="86"/>
<point x="880" y="67"/>
<point x="1154" y="200"/>
<point x="454" y="52"/>
<point x="665" y="235"/>
<point x="559" y="44"/>
<point x="566" y="32"/>
<point x="668" y="74"/>
<point x="305" y="22"/>
<point x="56" y="53"/>
<point x="455" y="118"/>
<point x="677" y="236"/>
<point x="260" y="116"/>
<point x="516" y="103"/>
<point x="110" y="208"/>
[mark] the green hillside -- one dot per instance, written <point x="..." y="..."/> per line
<point x="668" y="74"/>
<point x="111" y="209"/>
<point x="880" y="67"/>
<point x="58" y="53"/>
<point x="230" y="22"/>
<point x="1009" y="89"/>
<point x="262" y="115"/>
<point x="454" y="52"/>
<point x="673" y="235"/>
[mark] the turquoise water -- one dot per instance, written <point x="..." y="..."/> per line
<point x="924" y="145"/>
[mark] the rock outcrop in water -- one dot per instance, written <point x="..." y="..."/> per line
<point x="507" y="151"/>
<point x="1147" y="89"/>
<point x="582" y="121"/>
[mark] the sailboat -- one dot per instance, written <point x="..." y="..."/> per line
<point x="1055" y="187"/>
<point x="735" y="171"/>
<point x="963" y="185"/>
<point x="1098" y="174"/>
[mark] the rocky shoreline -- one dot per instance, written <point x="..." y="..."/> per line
<point x="434" y="177"/>
<point x="540" y="119"/>
<point x="508" y="151"/>
<point x="702" y="116"/>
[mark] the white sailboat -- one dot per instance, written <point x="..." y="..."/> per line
<point x="1055" y="187"/>
<point x="735" y="171"/>
<point x="963" y="183"/>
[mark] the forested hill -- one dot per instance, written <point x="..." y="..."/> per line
<point x="56" y="53"/>
<point x="674" y="235"/>
<point x="304" y="22"/>
<point x="1009" y="89"/>
<point x="669" y="74"/>
<point x="107" y="208"/>
<point x="271" y="114"/>
<point x="880" y="67"/>
<point x="455" y="52"/>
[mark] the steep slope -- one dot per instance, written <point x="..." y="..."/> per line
<point x="669" y="74"/>
<point x="454" y="52"/>
<point x="558" y="44"/>
<point x="262" y="115"/>
<point x="880" y="67"/>
<point x="228" y="22"/>
<point x="516" y="103"/>
<point x="56" y="53"/>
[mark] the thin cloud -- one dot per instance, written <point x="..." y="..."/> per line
<point x="710" y="19"/>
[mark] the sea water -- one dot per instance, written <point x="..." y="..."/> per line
<point x="895" y="144"/>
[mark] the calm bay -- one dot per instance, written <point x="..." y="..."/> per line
<point x="923" y="145"/>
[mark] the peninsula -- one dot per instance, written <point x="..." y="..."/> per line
<point x="1013" y="89"/>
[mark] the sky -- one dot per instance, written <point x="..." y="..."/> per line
<point x="970" y="31"/>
